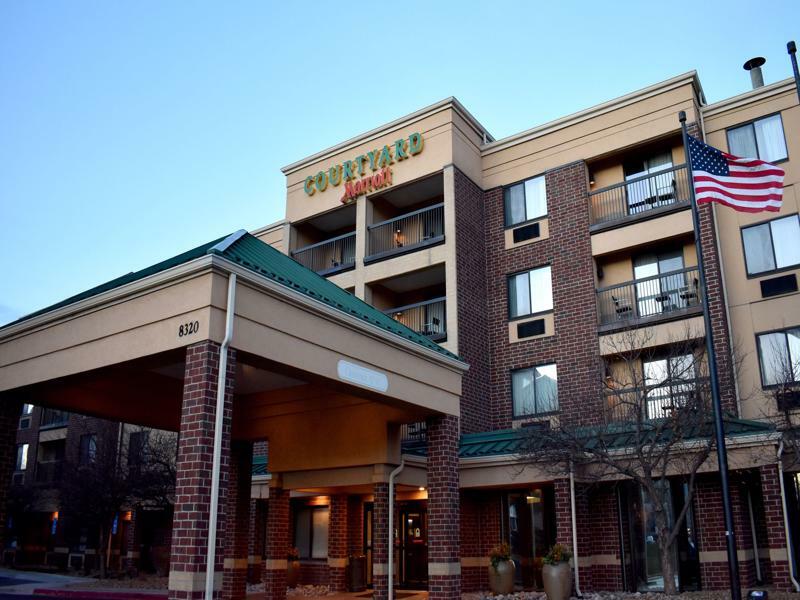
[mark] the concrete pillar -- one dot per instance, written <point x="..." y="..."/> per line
<point x="277" y="541"/>
<point x="380" y="541"/>
<point x="337" y="543"/>
<point x="188" y="555"/>
<point x="10" y="410"/>
<point x="776" y="533"/>
<point x="255" y="552"/>
<point x="234" y="580"/>
<point x="444" y="566"/>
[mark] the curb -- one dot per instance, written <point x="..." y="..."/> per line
<point x="98" y="594"/>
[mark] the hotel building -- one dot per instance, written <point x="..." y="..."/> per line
<point x="482" y="290"/>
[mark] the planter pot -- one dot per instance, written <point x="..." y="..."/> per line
<point x="293" y="573"/>
<point x="557" y="580"/>
<point x="501" y="579"/>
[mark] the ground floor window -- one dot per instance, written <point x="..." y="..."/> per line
<point x="311" y="531"/>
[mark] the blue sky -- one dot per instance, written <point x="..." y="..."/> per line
<point x="131" y="131"/>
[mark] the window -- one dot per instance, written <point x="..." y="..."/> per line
<point x="760" y="139"/>
<point x="669" y="382"/>
<point x="779" y="354"/>
<point x="137" y="446"/>
<point x="525" y="201"/>
<point x="22" y="457"/>
<point x="534" y="391"/>
<point x="27" y="409"/>
<point x="88" y="448"/>
<point x="772" y="245"/>
<point x="530" y="292"/>
<point x="649" y="188"/>
<point x="311" y="531"/>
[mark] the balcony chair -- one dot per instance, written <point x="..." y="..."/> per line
<point x="432" y="328"/>
<point x="622" y="306"/>
<point x="688" y="293"/>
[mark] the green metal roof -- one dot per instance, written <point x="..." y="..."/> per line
<point x="253" y="254"/>
<point x="259" y="466"/>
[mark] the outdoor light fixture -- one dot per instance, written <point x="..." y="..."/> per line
<point x="422" y="488"/>
<point x="535" y="497"/>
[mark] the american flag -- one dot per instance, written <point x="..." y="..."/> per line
<point x="744" y="184"/>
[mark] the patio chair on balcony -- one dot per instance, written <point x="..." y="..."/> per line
<point x="689" y="293"/>
<point x="622" y="306"/>
<point x="433" y="327"/>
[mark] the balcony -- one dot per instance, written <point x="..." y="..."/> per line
<point x="414" y="438"/>
<point x="651" y="299"/>
<point x="49" y="471"/>
<point x="406" y="233"/>
<point x="54" y="418"/>
<point x="426" y="318"/>
<point x="641" y="197"/>
<point x="653" y="402"/>
<point x="329" y="256"/>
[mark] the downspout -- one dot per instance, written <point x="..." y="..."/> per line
<point x="789" y="553"/>
<point x="390" y="566"/>
<point x="753" y="533"/>
<point x="217" y="457"/>
<point x="574" y="530"/>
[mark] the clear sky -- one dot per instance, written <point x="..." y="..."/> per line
<point x="131" y="131"/>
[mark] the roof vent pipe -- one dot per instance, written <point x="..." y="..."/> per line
<point x="754" y="66"/>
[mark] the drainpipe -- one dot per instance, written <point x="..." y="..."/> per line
<point x="574" y="531"/>
<point x="217" y="457"/>
<point x="753" y="533"/>
<point x="789" y="553"/>
<point x="392" y="475"/>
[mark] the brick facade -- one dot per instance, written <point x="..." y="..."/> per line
<point x="193" y="482"/>
<point x="255" y="540"/>
<point x="774" y="527"/>
<point x="568" y="251"/>
<point x="380" y="547"/>
<point x="234" y="582"/>
<point x="480" y="521"/>
<point x="337" y="542"/>
<point x="473" y="340"/>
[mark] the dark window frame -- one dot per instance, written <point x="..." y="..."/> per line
<point x="529" y="315"/>
<point x="87" y="453"/>
<point x="751" y="123"/>
<point x="514" y="414"/>
<point x="526" y="221"/>
<point x="776" y="270"/>
<point x="783" y="330"/>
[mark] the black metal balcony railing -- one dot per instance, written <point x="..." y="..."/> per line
<point x="408" y="232"/>
<point x="329" y="256"/>
<point x="658" y="296"/>
<point x="427" y="318"/>
<point x="54" y="418"/>
<point x="49" y="471"/>
<point x="653" y="402"/>
<point x="640" y="195"/>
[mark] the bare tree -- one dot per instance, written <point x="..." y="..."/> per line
<point x="780" y="371"/>
<point x="114" y="469"/>
<point x="656" y="425"/>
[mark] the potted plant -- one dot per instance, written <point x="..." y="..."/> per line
<point x="557" y="574"/>
<point x="501" y="570"/>
<point x="292" y="567"/>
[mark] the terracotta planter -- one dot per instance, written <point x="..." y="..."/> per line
<point x="501" y="579"/>
<point x="293" y="573"/>
<point x="557" y="580"/>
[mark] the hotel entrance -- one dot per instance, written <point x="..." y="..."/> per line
<point x="413" y="545"/>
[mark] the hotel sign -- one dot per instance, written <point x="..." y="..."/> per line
<point x="353" y="173"/>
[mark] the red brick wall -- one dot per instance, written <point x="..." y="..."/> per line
<point x="193" y="482"/>
<point x="473" y="343"/>
<point x="602" y="535"/>
<point x="315" y="572"/>
<point x="773" y="518"/>
<point x="234" y="581"/>
<point x="480" y="531"/>
<point x="568" y="251"/>
<point x="380" y="531"/>
<point x="337" y="540"/>
<point x="355" y="525"/>
<point x="256" y="537"/>
<point x="278" y="541"/>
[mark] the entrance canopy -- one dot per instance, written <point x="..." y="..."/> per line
<point x="323" y="374"/>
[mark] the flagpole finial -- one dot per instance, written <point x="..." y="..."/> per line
<point x="682" y="116"/>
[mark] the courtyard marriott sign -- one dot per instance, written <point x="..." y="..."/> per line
<point x="352" y="172"/>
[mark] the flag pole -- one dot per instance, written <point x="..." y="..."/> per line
<point x="719" y="428"/>
<point x="791" y="48"/>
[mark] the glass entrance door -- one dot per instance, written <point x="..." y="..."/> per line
<point x="414" y="546"/>
<point x="530" y="523"/>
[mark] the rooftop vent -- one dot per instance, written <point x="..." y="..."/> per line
<point x="754" y="66"/>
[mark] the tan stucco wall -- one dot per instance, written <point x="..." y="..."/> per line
<point x="749" y="313"/>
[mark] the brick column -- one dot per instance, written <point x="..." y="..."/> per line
<point x="380" y="545"/>
<point x="355" y="525"/>
<point x="234" y="580"/>
<point x="337" y="543"/>
<point x="10" y="410"/>
<point x="130" y="553"/>
<point x="563" y="512"/>
<point x="444" y="566"/>
<point x="277" y="541"/>
<point x="189" y="555"/>
<point x="776" y="533"/>
<point x="255" y="546"/>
